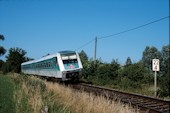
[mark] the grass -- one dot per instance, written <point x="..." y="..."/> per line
<point x="28" y="94"/>
<point x="7" y="104"/>
<point x="32" y="95"/>
<point x="81" y="102"/>
<point x="145" y="89"/>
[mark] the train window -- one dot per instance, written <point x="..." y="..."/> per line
<point x="65" y="61"/>
<point x="69" y="61"/>
<point x="56" y="61"/>
<point x="49" y="64"/>
<point x="75" y="61"/>
<point x="46" y="64"/>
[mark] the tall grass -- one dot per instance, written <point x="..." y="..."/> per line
<point x="7" y="104"/>
<point x="82" y="102"/>
<point x="33" y="95"/>
<point x="27" y="94"/>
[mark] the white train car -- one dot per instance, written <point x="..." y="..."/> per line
<point x="64" y="65"/>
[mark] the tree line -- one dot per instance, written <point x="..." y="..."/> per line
<point x="129" y="76"/>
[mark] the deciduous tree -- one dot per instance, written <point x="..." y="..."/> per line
<point x="83" y="57"/>
<point x="15" y="57"/>
<point x="2" y="50"/>
<point x="148" y="54"/>
<point x="165" y="71"/>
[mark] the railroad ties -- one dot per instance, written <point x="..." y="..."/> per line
<point x="144" y="103"/>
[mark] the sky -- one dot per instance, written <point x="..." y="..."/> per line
<point x="47" y="26"/>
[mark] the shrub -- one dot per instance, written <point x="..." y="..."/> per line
<point x="133" y="76"/>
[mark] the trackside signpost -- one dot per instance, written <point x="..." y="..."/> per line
<point x="155" y="67"/>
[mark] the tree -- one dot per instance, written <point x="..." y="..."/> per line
<point x="128" y="61"/>
<point x="165" y="71"/>
<point x="165" y="81"/>
<point x="83" y="57"/>
<point x="2" y="50"/>
<point x="115" y="66"/>
<point x="88" y="67"/>
<point x="2" y="37"/>
<point x="165" y="55"/>
<point x="1" y="63"/>
<point x="148" y="54"/>
<point x="15" y="57"/>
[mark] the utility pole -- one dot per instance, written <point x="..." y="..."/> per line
<point x="95" y="49"/>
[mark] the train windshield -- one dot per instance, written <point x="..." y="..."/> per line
<point x="70" y="58"/>
<point x="70" y="61"/>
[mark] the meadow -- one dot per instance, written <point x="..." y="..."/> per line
<point x="28" y="94"/>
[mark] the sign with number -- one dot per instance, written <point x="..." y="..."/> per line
<point x="155" y="65"/>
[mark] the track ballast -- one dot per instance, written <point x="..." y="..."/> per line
<point x="144" y="103"/>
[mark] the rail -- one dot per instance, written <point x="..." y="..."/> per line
<point x="144" y="103"/>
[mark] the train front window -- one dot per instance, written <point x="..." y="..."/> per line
<point x="69" y="61"/>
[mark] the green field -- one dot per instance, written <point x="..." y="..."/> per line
<point x="7" y="104"/>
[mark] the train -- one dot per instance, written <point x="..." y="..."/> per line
<point x="62" y="66"/>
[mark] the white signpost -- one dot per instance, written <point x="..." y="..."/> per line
<point x="155" y="67"/>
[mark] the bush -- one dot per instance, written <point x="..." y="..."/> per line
<point x="165" y="86"/>
<point x="5" y="68"/>
<point x="133" y="76"/>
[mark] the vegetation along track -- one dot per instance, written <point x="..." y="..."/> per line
<point x="144" y="103"/>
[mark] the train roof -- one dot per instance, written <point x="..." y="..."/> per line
<point x="48" y="57"/>
<point x="67" y="52"/>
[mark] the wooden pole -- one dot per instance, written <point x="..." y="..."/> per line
<point x="95" y="49"/>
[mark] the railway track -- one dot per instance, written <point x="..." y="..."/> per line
<point x="145" y="104"/>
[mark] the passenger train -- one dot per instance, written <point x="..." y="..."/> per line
<point x="64" y="66"/>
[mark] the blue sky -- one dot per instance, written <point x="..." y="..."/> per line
<point x="49" y="26"/>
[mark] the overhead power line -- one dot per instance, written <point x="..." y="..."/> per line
<point x="85" y="44"/>
<point x="125" y="31"/>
